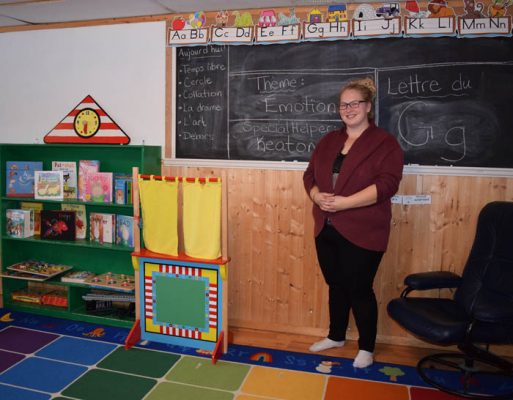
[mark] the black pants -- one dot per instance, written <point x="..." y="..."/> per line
<point x="349" y="271"/>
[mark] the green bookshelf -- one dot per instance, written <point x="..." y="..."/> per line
<point x="80" y="254"/>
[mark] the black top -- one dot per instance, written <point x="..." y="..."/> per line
<point x="337" y="164"/>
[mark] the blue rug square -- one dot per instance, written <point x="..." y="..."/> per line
<point x="77" y="351"/>
<point x="13" y="393"/>
<point x="40" y="374"/>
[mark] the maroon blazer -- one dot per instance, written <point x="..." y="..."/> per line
<point x="374" y="158"/>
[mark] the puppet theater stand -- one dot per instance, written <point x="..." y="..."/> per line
<point x="181" y="296"/>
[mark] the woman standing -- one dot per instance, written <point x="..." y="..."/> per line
<point x="351" y="176"/>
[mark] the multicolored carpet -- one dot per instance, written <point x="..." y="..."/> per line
<point x="49" y="358"/>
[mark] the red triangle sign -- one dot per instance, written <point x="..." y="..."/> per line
<point x="87" y="123"/>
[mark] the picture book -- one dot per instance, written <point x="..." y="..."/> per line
<point x="20" y="178"/>
<point x="122" y="189"/>
<point x="85" y="167"/>
<point x="58" y="225"/>
<point x="125" y="230"/>
<point x="69" y="171"/>
<point x="36" y="207"/>
<point x="19" y="223"/>
<point x="102" y="227"/>
<point x="98" y="187"/>
<point x="77" y="276"/>
<point x="48" y="185"/>
<point x="80" y="218"/>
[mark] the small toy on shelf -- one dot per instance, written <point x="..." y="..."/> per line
<point x="77" y="276"/>
<point x="39" y="268"/>
<point x="100" y="302"/>
<point x="117" y="282"/>
<point x="57" y="298"/>
<point x="28" y="295"/>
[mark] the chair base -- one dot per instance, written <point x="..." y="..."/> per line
<point x="472" y="378"/>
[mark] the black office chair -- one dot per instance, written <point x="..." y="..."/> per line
<point x="479" y="314"/>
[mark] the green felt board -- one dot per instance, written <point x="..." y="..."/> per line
<point x="182" y="301"/>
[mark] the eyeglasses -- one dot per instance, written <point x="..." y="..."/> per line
<point x="353" y="104"/>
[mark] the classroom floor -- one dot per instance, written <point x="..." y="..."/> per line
<point x="44" y="358"/>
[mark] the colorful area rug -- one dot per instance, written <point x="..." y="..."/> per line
<point x="50" y="358"/>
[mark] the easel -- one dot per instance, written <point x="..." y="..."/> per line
<point x="146" y="263"/>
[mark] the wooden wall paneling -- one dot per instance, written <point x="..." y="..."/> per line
<point x="289" y="253"/>
<point x="239" y="283"/>
<point x="287" y="305"/>
<point x="399" y="259"/>
<point x="275" y="280"/>
<point x="460" y="209"/>
<point x="262" y="219"/>
<point x="304" y="276"/>
<point x="315" y="289"/>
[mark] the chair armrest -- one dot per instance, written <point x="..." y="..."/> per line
<point x="431" y="280"/>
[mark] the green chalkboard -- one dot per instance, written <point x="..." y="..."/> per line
<point x="447" y="100"/>
<point x="184" y="301"/>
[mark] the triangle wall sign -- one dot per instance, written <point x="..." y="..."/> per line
<point x="87" y="123"/>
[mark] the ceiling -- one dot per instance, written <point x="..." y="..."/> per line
<point x="33" y="12"/>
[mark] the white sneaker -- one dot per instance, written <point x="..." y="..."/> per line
<point x="325" y="344"/>
<point x="363" y="359"/>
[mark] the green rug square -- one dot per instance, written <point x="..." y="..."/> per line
<point x="98" y="384"/>
<point x="150" y="363"/>
<point x="169" y="390"/>
<point x="201" y="372"/>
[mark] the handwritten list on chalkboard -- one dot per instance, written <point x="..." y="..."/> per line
<point x="446" y="100"/>
<point x="201" y="112"/>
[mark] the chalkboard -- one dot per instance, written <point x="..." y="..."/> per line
<point x="189" y="300"/>
<point x="447" y="100"/>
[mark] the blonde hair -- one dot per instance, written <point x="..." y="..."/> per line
<point x="367" y="89"/>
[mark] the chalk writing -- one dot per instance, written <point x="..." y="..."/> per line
<point x="200" y="109"/>
<point x="447" y="101"/>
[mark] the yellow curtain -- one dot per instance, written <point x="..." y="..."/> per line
<point x="159" y="203"/>
<point x="202" y="219"/>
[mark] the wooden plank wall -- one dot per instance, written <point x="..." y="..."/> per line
<point x="275" y="281"/>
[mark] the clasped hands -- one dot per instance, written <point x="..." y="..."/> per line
<point x="329" y="202"/>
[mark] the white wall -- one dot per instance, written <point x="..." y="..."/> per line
<point x="44" y="74"/>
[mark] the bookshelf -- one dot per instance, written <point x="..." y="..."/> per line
<point x="80" y="254"/>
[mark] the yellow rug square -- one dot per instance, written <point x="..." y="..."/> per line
<point x="283" y="384"/>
